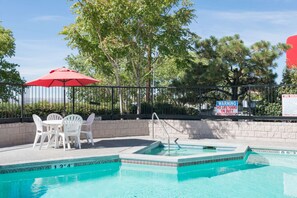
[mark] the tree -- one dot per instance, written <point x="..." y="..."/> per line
<point x="130" y="37"/>
<point x="168" y="69"/>
<point x="8" y="71"/>
<point x="289" y="77"/>
<point x="228" y="62"/>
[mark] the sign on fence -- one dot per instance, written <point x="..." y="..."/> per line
<point x="227" y="107"/>
<point x="289" y="104"/>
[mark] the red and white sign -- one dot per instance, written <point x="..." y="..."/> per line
<point x="227" y="107"/>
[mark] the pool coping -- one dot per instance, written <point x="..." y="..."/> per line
<point x="58" y="163"/>
<point x="178" y="161"/>
<point x="130" y="156"/>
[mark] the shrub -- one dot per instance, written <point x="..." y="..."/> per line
<point x="268" y="109"/>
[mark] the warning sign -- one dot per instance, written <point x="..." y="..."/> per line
<point x="227" y="107"/>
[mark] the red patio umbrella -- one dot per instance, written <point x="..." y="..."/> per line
<point x="63" y="77"/>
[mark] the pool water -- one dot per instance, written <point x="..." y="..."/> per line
<point x="259" y="175"/>
<point x="184" y="150"/>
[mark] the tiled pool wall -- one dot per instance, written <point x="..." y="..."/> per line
<point x="23" y="133"/>
<point x="190" y="162"/>
<point x="58" y="164"/>
<point x="275" y="151"/>
<point x="69" y="163"/>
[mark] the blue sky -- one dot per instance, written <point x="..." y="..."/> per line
<point x="39" y="47"/>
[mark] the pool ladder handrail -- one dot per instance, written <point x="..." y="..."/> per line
<point x="153" y="134"/>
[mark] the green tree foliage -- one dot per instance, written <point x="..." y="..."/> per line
<point x="168" y="70"/>
<point x="272" y="103"/>
<point x="289" y="83"/>
<point x="126" y="39"/>
<point x="229" y="62"/>
<point x="271" y="99"/>
<point x="289" y="77"/>
<point x="8" y="71"/>
<point x="130" y="36"/>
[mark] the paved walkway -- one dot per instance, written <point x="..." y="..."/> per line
<point x="114" y="146"/>
<point x="111" y="146"/>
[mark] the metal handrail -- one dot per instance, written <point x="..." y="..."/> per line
<point x="153" y="133"/>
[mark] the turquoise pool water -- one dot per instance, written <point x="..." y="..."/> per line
<point x="184" y="150"/>
<point x="260" y="175"/>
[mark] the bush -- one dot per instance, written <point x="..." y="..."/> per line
<point x="43" y="108"/>
<point x="9" y="110"/>
<point x="273" y="109"/>
<point x="269" y="109"/>
<point x="163" y="108"/>
<point x="146" y="108"/>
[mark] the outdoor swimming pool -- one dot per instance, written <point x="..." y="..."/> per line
<point x="184" y="150"/>
<point x="258" y="175"/>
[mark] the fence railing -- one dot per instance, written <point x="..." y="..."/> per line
<point x="262" y="102"/>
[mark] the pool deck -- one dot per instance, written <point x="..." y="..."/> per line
<point x="116" y="146"/>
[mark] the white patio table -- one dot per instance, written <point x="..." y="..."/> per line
<point x="54" y="124"/>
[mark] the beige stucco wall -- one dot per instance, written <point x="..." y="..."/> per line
<point x="16" y="134"/>
<point x="120" y="128"/>
<point x="23" y="133"/>
<point x="244" y="130"/>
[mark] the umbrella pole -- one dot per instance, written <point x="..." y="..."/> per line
<point x="64" y="113"/>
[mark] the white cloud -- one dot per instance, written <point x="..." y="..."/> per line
<point x="47" y="18"/>
<point x="279" y="18"/>
<point x="252" y="26"/>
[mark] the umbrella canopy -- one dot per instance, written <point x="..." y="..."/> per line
<point x="63" y="77"/>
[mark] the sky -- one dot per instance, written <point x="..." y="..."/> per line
<point x="39" y="47"/>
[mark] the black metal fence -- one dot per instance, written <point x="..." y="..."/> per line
<point x="256" y="102"/>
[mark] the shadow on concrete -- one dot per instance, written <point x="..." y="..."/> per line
<point x="118" y="143"/>
<point x="206" y="129"/>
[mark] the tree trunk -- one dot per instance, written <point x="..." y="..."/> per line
<point x="234" y="93"/>
<point x="118" y="80"/>
<point x="236" y="78"/>
<point x="138" y="91"/>
<point x="149" y="68"/>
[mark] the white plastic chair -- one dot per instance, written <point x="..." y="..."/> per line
<point x="71" y="128"/>
<point x="40" y="132"/>
<point x="87" y="128"/>
<point x="54" y="116"/>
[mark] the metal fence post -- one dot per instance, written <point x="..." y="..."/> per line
<point x="152" y="100"/>
<point x="249" y="103"/>
<point x="139" y="102"/>
<point x="199" y="100"/>
<point x="112" y="102"/>
<point x="22" y="103"/>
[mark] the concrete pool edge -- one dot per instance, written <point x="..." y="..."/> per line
<point x="178" y="161"/>
<point x="57" y="163"/>
<point x="131" y="157"/>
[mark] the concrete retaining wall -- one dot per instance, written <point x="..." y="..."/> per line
<point x="16" y="134"/>
<point x="264" y="131"/>
<point x="23" y="133"/>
